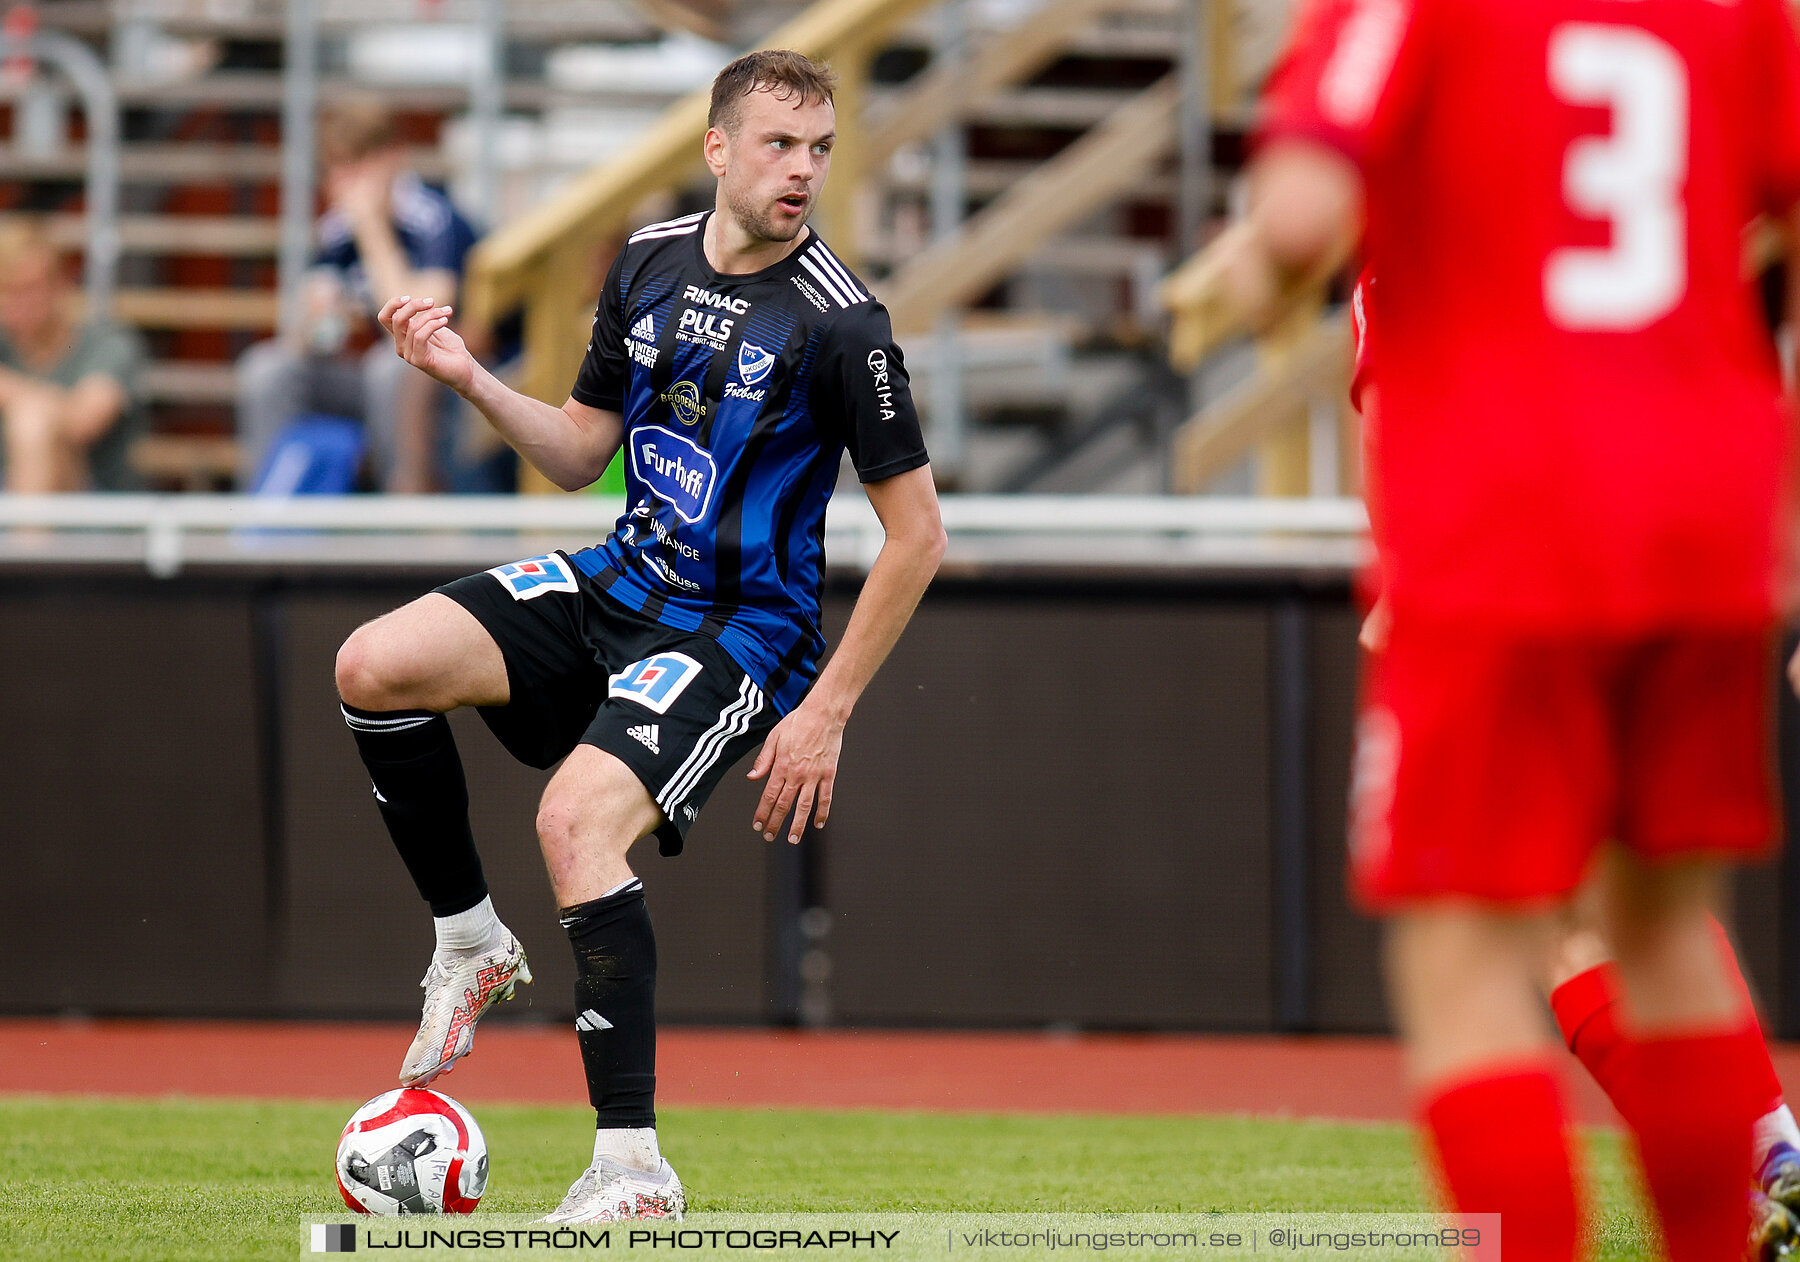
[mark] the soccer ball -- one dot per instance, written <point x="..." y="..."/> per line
<point x="412" y="1152"/>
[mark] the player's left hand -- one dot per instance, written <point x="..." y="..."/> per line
<point x="800" y="760"/>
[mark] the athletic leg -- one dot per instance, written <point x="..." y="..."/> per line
<point x="593" y="811"/>
<point x="431" y="654"/>
<point x="1473" y="818"/>
<point x="1582" y="981"/>
<point x="1691" y="1089"/>
<point x="1582" y="984"/>
<point x="1696" y="783"/>
<point x="396" y="676"/>
<point x="1463" y="984"/>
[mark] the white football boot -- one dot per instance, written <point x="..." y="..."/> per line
<point x="608" y="1192"/>
<point x="458" y="991"/>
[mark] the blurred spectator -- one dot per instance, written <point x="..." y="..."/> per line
<point x="65" y="388"/>
<point x="386" y="234"/>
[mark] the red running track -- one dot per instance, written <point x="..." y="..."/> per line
<point x="1351" y="1078"/>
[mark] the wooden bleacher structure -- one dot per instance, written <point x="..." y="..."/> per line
<point x="544" y="261"/>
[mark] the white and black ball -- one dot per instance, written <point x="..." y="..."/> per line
<point x="412" y="1152"/>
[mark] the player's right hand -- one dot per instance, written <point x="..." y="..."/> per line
<point x="423" y="338"/>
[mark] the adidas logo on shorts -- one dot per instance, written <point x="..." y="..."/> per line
<point x="645" y="734"/>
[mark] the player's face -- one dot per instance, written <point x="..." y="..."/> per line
<point x="774" y="162"/>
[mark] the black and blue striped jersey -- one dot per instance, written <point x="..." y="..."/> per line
<point x="740" y="395"/>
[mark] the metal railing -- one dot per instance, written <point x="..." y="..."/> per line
<point x="100" y="104"/>
<point x="299" y="106"/>
<point x="166" y="533"/>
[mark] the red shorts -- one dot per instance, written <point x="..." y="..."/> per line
<point x="1494" y="765"/>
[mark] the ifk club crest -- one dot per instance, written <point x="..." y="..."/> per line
<point x="754" y="363"/>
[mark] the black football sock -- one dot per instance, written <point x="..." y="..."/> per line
<point x="615" y="1004"/>
<point x="424" y="801"/>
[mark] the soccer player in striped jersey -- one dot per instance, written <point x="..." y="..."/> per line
<point x="735" y="359"/>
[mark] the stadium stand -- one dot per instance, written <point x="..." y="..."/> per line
<point x="1020" y="190"/>
<point x="1019" y="202"/>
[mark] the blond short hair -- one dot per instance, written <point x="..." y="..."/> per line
<point x="351" y="130"/>
<point x="782" y="71"/>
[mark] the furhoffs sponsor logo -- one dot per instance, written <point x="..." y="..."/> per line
<point x="677" y="471"/>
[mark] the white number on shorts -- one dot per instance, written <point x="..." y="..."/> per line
<point x="1633" y="178"/>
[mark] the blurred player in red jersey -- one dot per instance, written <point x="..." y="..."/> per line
<point x="1581" y="461"/>
<point x="1579" y="976"/>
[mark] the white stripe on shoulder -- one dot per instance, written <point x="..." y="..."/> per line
<point x="826" y="280"/>
<point x="688" y="231"/>
<point x="833" y="264"/>
<point x="669" y="227"/>
<point x="696" y="217"/>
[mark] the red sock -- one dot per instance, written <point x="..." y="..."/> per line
<point x="1503" y="1148"/>
<point x="1587" y="1013"/>
<point x="1761" y="1082"/>
<point x="1691" y="1101"/>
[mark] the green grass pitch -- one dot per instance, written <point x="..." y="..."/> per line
<point x="229" y="1180"/>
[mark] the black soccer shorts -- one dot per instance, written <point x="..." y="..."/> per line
<point x="584" y="669"/>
